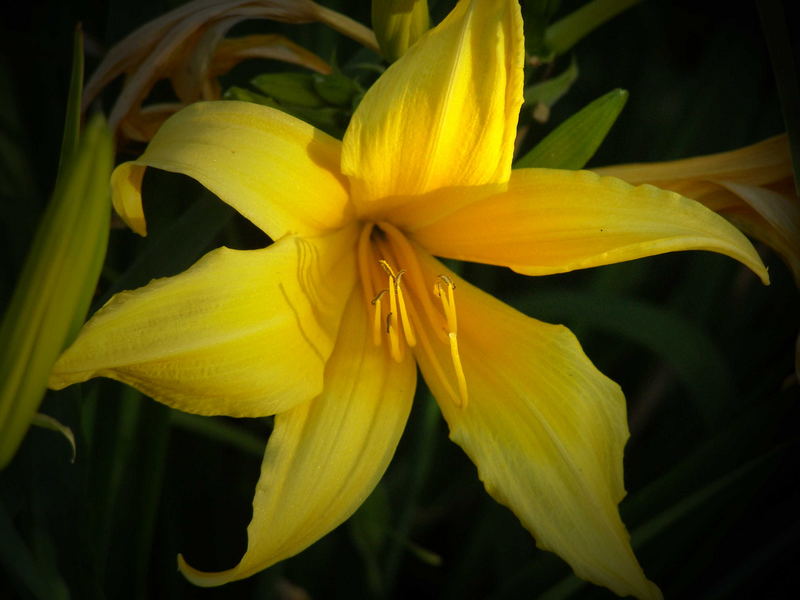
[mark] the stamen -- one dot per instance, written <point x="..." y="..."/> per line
<point x="376" y="323"/>
<point x="449" y="303"/>
<point x="443" y="288"/>
<point x="394" y="335"/>
<point x="462" y="381"/>
<point x="425" y="344"/>
<point x="397" y="304"/>
<point x="411" y="340"/>
<point x="408" y="257"/>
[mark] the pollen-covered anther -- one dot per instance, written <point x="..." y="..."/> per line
<point x="397" y="317"/>
<point x="444" y="289"/>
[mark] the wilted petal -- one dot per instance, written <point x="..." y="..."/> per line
<point x="141" y="126"/>
<point x="279" y="172"/>
<point x="751" y="186"/>
<point x="445" y="113"/>
<point x="241" y="333"/>
<point x="553" y="221"/>
<point x="759" y="164"/>
<point x="545" y="429"/>
<point x="325" y="456"/>
<point x="232" y="51"/>
<point x="769" y="216"/>
<point x="158" y="48"/>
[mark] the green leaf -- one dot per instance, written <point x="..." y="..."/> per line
<point x="549" y="92"/>
<point x="20" y="563"/>
<point x="72" y="120"/>
<point x="369" y="528"/>
<point x="573" y="143"/>
<point x="545" y="94"/>
<point x="422" y="462"/>
<point x="296" y="89"/>
<point x="220" y="430"/>
<point x="536" y="17"/>
<point x="567" y="32"/>
<point x="57" y="283"/>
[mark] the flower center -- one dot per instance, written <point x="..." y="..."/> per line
<point x="403" y="311"/>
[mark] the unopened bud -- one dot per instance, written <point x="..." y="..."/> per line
<point x="398" y="24"/>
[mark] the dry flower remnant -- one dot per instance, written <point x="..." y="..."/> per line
<point x="753" y="187"/>
<point x="188" y="46"/>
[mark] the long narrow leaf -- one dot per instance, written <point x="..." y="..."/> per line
<point x="573" y="143"/>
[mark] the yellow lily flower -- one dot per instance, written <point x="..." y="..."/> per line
<point x="323" y="328"/>
<point x="753" y="187"/>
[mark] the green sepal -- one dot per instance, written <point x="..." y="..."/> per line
<point x="573" y="143"/>
<point x="331" y="120"/>
<point x="336" y="89"/>
<point x="296" y="89"/>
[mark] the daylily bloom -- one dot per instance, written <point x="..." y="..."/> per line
<point x="753" y="187"/>
<point x="323" y="327"/>
<point x="188" y="46"/>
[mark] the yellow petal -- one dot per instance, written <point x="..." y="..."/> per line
<point x="279" y="172"/>
<point x="241" y="333"/>
<point x="325" y="456"/>
<point x="552" y="221"/>
<point x="445" y="114"/>
<point x="545" y="429"/>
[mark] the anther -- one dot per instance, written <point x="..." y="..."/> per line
<point x="397" y="307"/>
<point x="386" y="268"/>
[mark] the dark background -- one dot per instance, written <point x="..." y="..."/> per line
<point x="703" y="351"/>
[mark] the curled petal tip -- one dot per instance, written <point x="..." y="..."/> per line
<point x="126" y="195"/>
<point x="203" y="578"/>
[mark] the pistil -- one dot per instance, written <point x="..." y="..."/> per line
<point x="444" y="288"/>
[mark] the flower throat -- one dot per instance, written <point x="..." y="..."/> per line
<point x="401" y="305"/>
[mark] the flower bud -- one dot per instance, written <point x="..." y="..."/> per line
<point x="398" y="24"/>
